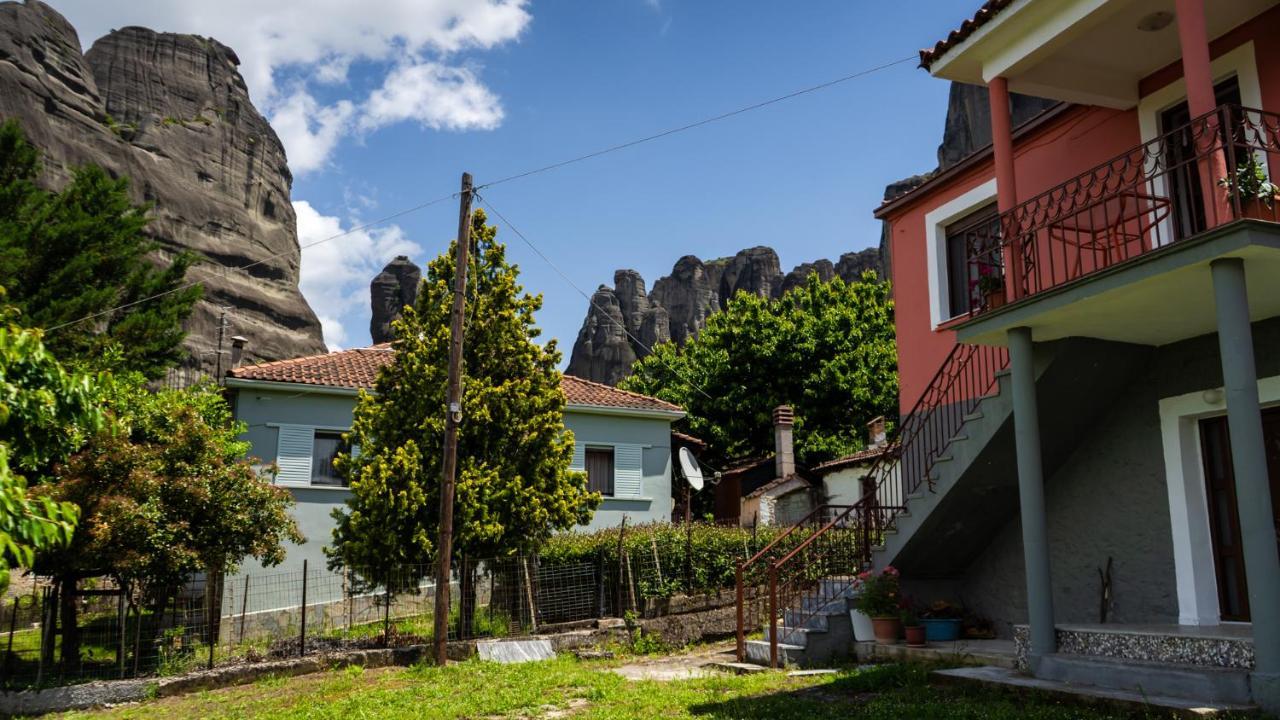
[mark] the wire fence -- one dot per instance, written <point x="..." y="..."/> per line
<point x="71" y="631"/>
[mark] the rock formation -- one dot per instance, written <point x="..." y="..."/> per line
<point x="393" y="288"/>
<point x="171" y="113"/>
<point x="623" y="322"/>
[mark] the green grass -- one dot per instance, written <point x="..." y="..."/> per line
<point x="586" y="690"/>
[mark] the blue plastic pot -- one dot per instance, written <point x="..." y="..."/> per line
<point x="941" y="630"/>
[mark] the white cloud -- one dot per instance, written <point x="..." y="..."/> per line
<point x="336" y="274"/>
<point x="437" y="96"/>
<point x="322" y="38"/>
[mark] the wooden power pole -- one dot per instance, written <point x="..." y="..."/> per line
<point x="453" y="417"/>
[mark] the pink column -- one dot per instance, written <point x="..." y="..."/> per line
<point x="1201" y="100"/>
<point x="1006" y="182"/>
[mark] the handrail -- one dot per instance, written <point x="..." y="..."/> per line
<point x="799" y="524"/>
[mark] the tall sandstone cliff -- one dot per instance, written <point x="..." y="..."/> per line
<point x="171" y="113"/>
<point x="624" y="322"/>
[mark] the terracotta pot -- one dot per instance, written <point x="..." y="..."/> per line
<point x="1257" y="209"/>
<point x="887" y="629"/>
<point x="993" y="299"/>
<point x="915" y="636"/>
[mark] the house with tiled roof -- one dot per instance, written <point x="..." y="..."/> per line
<point x="297" y="410"/>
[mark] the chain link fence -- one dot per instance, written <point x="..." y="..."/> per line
<point x="64" y="632"/>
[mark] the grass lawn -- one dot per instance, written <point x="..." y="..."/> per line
<point x="570" y="688"/>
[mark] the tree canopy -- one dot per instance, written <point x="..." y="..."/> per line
<point x="81" y="252"/>
<point x="514" y="487"/>
<point x="825" y="348"/>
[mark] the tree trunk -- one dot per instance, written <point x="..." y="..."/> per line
<point x="70" y="626"/>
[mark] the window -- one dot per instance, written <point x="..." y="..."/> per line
<point x="600" y="470"/>
<point x="325" y="446"/>
<point x="972" y="242"/>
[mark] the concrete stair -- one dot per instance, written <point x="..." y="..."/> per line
<point x="815" y="631"/>
<point x="1213" y="685"/>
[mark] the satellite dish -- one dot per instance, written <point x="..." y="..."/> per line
<point x="689" y="464"/>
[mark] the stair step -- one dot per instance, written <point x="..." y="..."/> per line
<point x="797" y="636"/>
<point x="1208" y="684"/>
<point x="758" y="653"/>
<point x="975" y="415"/>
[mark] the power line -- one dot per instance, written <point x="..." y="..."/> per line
<point x="255" y="263"/>
<point x="590" y="299"/>
<point x="510" y="178"/>
<point x="699" y="123"/>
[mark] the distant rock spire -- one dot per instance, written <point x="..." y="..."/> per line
<point x="393" y="288"/>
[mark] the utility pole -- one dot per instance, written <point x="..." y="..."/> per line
<point x="452" y="418"/>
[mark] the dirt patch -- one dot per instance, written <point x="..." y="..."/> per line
<point x="677" y="667"/>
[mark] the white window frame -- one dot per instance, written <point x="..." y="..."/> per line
<point x="1194" y="566"/>
<point x="313" y="428"/>
<point x="936" y="222"/>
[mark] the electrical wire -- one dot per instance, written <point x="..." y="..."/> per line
<point x="510" y="178"/>
<point x="590" y="299"/>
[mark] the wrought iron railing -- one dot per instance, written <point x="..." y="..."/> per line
<point x="1211" y="171"/>
<point x="816" y="562"/>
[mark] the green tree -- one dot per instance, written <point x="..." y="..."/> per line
<point x="826" y="348"/>
<point x="514" y="487"/>
<point x="164" y="491"/>
<point x="81" y="252"/>
<point x="44" y="414"/>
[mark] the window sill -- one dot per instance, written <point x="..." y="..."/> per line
<point x="626" y="498"/>
<point x="306" y="486"/>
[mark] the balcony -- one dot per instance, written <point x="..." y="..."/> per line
<point x="1121" y="252"/>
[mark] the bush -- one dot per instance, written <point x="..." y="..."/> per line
<point x="716" y="552"/>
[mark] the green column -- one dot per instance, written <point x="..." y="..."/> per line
<point x="1035" y="533"/>
<point x="1249" y="462"/>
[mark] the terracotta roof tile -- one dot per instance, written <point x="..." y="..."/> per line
<point x="358" y="368"/>
<point x="862" y="457"/>
<point x="989" y="10"/>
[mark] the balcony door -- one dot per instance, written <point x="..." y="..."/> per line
<point x="1182" y="168"/>
<point x="1224" y="518"/>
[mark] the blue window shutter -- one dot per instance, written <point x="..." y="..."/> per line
<point x="627" y="470"/>
<point x="293" y="454"/>
<point x="579" y="461"/>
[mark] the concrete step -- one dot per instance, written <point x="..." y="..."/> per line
<point x="1087" y="694"/>
<point x="798" y="636"/>
<point x="758" y="653"/>
<point x="1205" y="684"/>
<point x="831" y="614"/>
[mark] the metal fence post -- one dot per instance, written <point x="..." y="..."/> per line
<point x="244" y="607"/>
<point x="302" y="638"/>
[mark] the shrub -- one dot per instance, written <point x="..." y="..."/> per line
<point x="879" y="595"/>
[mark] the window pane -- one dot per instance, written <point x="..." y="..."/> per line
<point x="324" y="449"/>
<point x="600" y="471"/>
<point x="976" y="234"/>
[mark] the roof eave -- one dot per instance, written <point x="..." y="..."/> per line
<point x="649" y="413"/>
<point x="295" y="387"/>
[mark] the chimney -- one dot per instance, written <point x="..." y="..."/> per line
<point x="784" y="454"/>
<point x="237" y="350"/>
<point x="876" y="437"/>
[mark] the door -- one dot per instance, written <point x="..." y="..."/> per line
<point x="1224" y="517"/>
<point x="1181" y="166"/>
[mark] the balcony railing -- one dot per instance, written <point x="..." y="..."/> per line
<point x="1205" y="174"/>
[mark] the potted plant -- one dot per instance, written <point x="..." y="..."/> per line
<point x="881" y="600"/>
<point x="942" y="621"/>
<point x="990" y="286"/>
<point x="1257" y="194"/>
<point x="914" y="631"/>
<point x="863" y="629"/>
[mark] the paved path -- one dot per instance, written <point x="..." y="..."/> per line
<point x="678" y="667"/>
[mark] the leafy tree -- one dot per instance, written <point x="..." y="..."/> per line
<point x="44" y="413"/>
<point x="81" y="252"/>
<point x="514" y="487"/>
<point x="164" y="491"/>
<point x="826" y="348"/>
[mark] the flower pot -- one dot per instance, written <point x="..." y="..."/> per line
<point x="864" y="630"/>
<point x="941" y="630"/>
<point x="887" y="629"/>
<point x="993" y="299"/>
<point x="915" y="635"/>
<point x="1258" y="209"/>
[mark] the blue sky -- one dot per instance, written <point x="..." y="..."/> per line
<point x="382" y="104"/>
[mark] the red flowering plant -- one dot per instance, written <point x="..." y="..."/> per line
<point x="990" y="278"/>
<point x="879" y="594"/>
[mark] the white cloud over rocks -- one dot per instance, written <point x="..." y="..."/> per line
<point x="336" y="274"/>
<point x="316" y="42"/>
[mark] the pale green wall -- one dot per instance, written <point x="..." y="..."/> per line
<point x="314" y="506"/>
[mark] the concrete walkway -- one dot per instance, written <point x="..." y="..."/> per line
<point x="685" y="666"/>
<point x="996" y="653"/>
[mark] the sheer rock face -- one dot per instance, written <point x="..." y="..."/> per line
<point x="171" y="113"/>
<point x="623" y="322"/>
<point x="393" y="288"/>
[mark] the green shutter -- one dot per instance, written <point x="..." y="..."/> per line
<point x="293" y="454"/>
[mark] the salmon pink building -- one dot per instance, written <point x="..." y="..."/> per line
<point x="1088" y="318"/>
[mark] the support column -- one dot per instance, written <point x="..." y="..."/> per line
<point x="1006" y="180"/>
<point x="1035" y="533"/>
<point x="1193" y="39"/>
<point x="1249" y="462"/>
